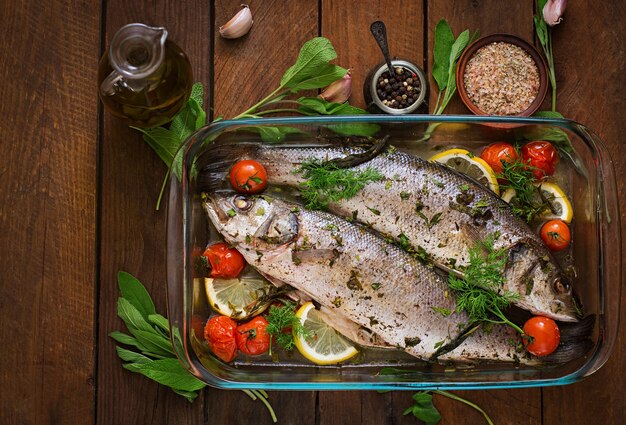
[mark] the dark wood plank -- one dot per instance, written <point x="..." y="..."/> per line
<point x="132" y="233"/>
<point x="245" y="71"/>
<point x="590" y="65"/>
<point x="488" y="16"/>
<point x="348" y="28"/>
<point x="47" y="211"/>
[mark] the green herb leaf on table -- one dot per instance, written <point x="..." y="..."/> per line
<point x="444" y="38"/>
<point x="424" y="409"/>
<point x="314" y="56"/>
<point x="151" y="336"/>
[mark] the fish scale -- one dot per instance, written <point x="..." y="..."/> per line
<point x="443" y="214"/>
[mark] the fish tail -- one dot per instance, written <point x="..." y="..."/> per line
<point x="222" y="157"/>
<point x="576" y="340"/>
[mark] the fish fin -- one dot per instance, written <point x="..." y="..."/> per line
<point x="354" y="159"/>
<point x="222" y="157"/>
<point x="575" y="340"/>
<point x="351" y="330"/>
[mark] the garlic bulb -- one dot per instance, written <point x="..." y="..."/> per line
<point x="239" y="25"/>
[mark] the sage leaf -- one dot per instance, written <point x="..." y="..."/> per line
<point x="131" y="316"/>
<point x="135" y="293"/>
<point x="189" y="395"/>
<point x="541" y="29"/>
<point x="160" y="322"/>
<point x="323" y="77"/>
<point x="319" y="106"/>
<point x="314" y="54"/>
<point x="131" y="356"/>
<point x="424" y="409"/>
<point x="123" y="338"/>
<point x="154" y="343"/>
<point x="163" y="141"/>
<point x="444" y="38"/>
<point x="171" y="373"/>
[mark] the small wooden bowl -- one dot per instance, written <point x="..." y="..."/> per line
<point x="511" y="39"/>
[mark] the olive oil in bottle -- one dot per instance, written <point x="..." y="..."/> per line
<point x="144" y="78"/>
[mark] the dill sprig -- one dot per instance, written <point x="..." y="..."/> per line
<point x="481" y="292"/>
<point x="326" y="182"/>
<point x="528" y="203"/>
<point x="282" y="324"/>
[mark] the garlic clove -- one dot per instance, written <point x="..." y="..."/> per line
<point x="339" y="91"/>
<point x="239" y="25"/>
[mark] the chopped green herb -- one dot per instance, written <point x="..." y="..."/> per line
<point x="443" y="311"/>
<point x="376" y="285"/>
<point x="325" y="182"/>
<point x="388" y="184"/>
<point x="260" y="211"/>
<point x="404" y="195"/>
<point x="374" y="211"/>
<point x="231" y="212"/>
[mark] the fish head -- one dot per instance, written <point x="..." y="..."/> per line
<point x="256" y="223"/>
<point x="548" y="290"/>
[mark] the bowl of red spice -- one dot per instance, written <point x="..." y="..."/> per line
<point x="502" y="74"/>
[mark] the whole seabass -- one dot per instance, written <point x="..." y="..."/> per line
<point x="439" y="211"/>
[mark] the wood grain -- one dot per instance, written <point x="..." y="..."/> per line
<point x="246" y="70"/>
<point x="348" y="28"/>
<point x="132" y="233"/>
<point x="590" y="67"/>
<point x="47" y="211"/>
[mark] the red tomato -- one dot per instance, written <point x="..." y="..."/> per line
<point x="495" y="153"/>
<point x="225" y="262"/>
<point x="219" y="333"/>
<point x="544" y="335"/>
<point x="252" y="338"/>
<point x="541" y="155"/>
<point x="556" y="235"/>
<point x="248" y="176"/>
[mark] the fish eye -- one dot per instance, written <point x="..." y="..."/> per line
<point x="242" y="203"/>
<point x="561" y="287"/>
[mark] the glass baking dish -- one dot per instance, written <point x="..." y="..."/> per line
<point x="588" y="179"/>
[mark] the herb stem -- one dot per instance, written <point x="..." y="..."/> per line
<point x="278" y="110"/>
<point x="263" y="101"/>
<point x="464" y="401"/>
<point x="266" y="403"/>
<point x="503" y="320"/>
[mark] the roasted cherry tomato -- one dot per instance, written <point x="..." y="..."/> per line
<point x="248" y="176"/>
<point x="252" y="338"/>
<point x="225" y="262"/>
<point x="543" y="335"/>
<point x="219" y="333"/>
<point x="495" y="153"/>
<point x="542" y="156"/>
<point x="556" y="235"/>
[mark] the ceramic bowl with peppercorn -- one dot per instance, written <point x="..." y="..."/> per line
<point x="402" y="91"/>
<point x="502" y="74"/>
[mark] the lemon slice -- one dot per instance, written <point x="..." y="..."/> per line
<point x="237" y="298"/>
<point x="322" y="344"/>
<point x="465" y="162"/>
<point x="555" y="195"/>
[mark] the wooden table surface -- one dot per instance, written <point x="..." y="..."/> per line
<point x="78" y="190"/>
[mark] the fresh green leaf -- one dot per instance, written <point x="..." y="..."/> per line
<point x="548" y="114"/>
<point x="189" y="395"/>
<point x="171" y="373"/>
<point x="123" y="338"/>
<point x="553" y="134"/>
<point x="160" y="322"/>
<point x="541" y="29"/>
<point x="424" y="409"/>
<point x="135" y="293"/>
<point x="455" y="52"/>
<point x="131" y="316"/>
<point x="318" y="106"/>
<point x="324" y="76"/>
<point x="313" y="55"/>
<point x="131" y="356"/>
<point x="163" y="141"/>
<point x="155" y="343"/>
<point x="444" y="38"/>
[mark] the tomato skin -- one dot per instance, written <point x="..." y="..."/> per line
<point x="248" y="176"/>
<point x="541" y="155"/>
<point x="225" y="262"/>
<point x="495" y="153"/>
<point x="252" y="337"/>
<point x="219" y="333"/>
<point x="545" y="336"/>
<point x="556" y="235"/>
